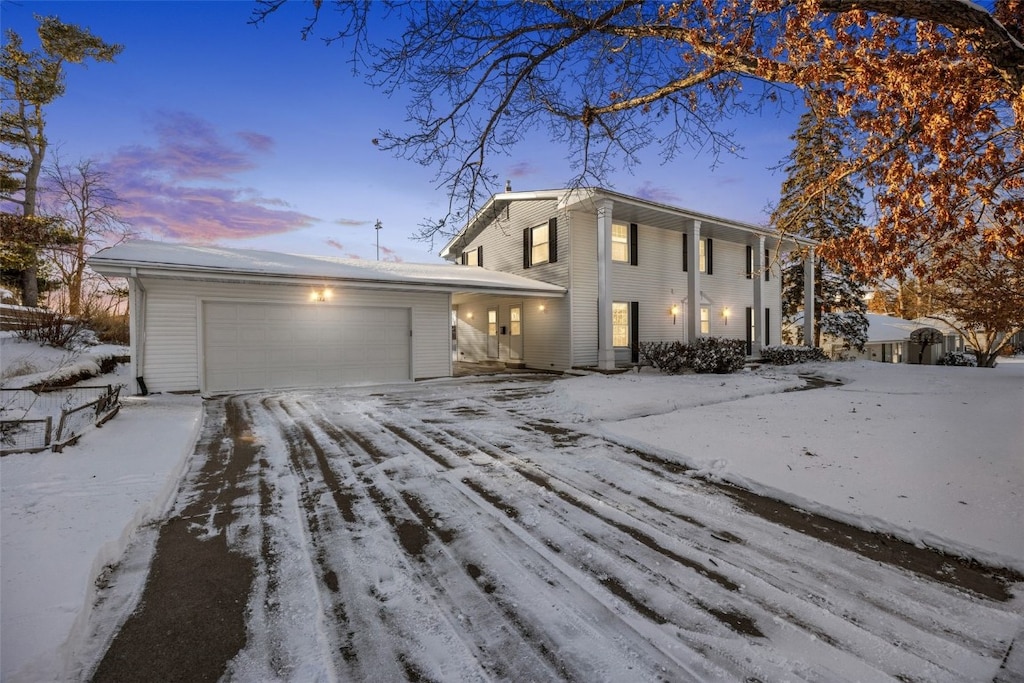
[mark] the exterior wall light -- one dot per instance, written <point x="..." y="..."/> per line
<point x="469" y="316"/>
<point x="674" y="311"/>
<point x="725" y="315"/>
<point x="542" y="307"/>
<point x="320" y="295"/>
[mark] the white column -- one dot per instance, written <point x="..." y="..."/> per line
<point x="605" y="348"/>
<point x="693" y="281"/>
<point x="809" y="298"/>
<point x="758" y="313"/>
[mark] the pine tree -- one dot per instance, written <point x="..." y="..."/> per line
<point x="822" y="215"/>
<point x="29" y="82"/>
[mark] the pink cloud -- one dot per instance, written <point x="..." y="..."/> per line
<point x="654" y="193"/>
<point x="258" y="142"/>
<point x="390" y="255"/>
<point x="522" y="169"/>
<point x="336" y="244"/>
<point x="182" y="186"/>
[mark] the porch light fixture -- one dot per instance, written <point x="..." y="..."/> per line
<point x="469" y="316"/>
<point x="541" y="308"/>
<point x="674" y="311"/>
<point x="320" y="295"/>
<point x="725" y="315"/>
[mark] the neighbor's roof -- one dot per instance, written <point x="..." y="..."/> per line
<point x="161" y="259"/>
<point x="887" y="328"/>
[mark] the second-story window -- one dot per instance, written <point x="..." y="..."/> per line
<point x="620" y="242"/>
<point x="540" y="244"/>
<point x="705" y="255"/>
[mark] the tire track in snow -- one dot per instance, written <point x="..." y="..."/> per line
<point x="509" y="656"/>
<point x="581" y="613"/>
<point x="871" y="637"/>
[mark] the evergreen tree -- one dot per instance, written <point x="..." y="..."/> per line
<point x="822" y="215"/>
<point x="29" y="81"/>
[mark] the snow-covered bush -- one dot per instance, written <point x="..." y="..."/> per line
<point x="788" y="355"/>
<point x="960" y="359"/>
<point x="668" y="357"/>
<point x="716" y="354"/>
<point x="706" y="354"/>
<point x="54" y="329"/>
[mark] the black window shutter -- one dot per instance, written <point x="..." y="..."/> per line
<point x="480" y="256"/>
<point x="527" y="246"/>
<point x="465" y="258"/>
<point x="750" y="330"/>
<point x="750" y="263"/>
<point x="708" y="253"/>
<point x="552" y="240"/>
<point x="766" y="269"/>
<point x="633" y="247"/>
<point x="634" y="331"/>
<point x="686" y="251"/>
<point x="767" y="317"/>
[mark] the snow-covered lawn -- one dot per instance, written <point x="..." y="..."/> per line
<point x="930" y="454"/>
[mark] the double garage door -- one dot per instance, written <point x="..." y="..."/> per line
<point x="249" y="346"/>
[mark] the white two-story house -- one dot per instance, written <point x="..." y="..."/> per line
<point x="633" y="271"/>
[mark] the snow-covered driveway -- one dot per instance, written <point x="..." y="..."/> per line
<point x="432" y="533"/>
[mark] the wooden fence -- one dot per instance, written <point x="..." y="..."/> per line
<point x="76" y="409"/>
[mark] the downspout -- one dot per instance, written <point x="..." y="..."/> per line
<point x="137" y="317"/>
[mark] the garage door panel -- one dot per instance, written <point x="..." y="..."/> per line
<point x="264" y="346"/>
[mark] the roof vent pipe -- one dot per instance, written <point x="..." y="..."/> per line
<point x="508" y="186"/>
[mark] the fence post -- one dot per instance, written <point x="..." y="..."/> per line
<point x="60" y="426"/>
<point x="49" y="430"/>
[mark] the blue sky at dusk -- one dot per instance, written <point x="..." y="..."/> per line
<point x="216" y="131"/>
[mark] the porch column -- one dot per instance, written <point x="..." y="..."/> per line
<point x="692" y="280"/>
<point x="605" y="348"/>
<point x="758" y="269"/>
<point x="809" y="298"/>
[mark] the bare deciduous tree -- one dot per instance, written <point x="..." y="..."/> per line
<point x="932" y="94"/>
<point x="81" y="197"/>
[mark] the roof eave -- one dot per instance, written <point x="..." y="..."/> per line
<point x="114" y="268"/>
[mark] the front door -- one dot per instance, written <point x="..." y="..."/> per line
<point x="492" y="332"/>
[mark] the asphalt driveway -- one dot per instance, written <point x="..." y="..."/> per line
<point x="444" y="531"/>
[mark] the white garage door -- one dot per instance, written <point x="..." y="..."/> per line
<point x="272" y="346"/>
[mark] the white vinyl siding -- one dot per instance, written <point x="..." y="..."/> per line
<point x="502" y="242"/>
<point x="173" y="343"/>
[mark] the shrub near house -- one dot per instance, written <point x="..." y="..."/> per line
<point x="705" y="355"/>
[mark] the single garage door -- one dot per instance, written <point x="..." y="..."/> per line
<point x="271" y="346"/>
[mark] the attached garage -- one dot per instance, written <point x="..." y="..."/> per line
<point x="250" y="346"/>
<point x="214" y="320"/>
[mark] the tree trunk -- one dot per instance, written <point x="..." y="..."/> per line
<point x="29" y="279"/>
<point x="29" y="287"/>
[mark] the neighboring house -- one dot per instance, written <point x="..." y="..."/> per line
<point x="633" y="271"/>
<point x="221" y="320"/>
<point x="895" y="340"/>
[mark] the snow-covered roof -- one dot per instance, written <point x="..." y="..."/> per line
<point x="887" y="328"/>
<point x="163" y="259"/>
<point x="626" y="208"/>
